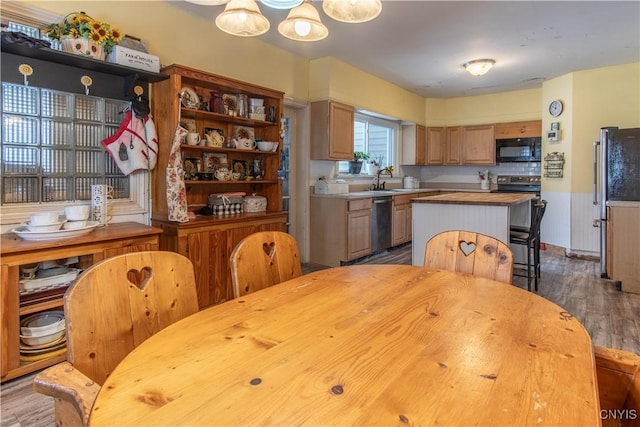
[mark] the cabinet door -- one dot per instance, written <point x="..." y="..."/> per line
<point x="358" y="233"/>
<point x="414" y="144"/>
<point x="208" y="252"/>
<point x="453" y="145"/>
<point x="435" y="145"/>
<point x="479" y="145"/>
<point x="623" y="233"/>
<point x="399" y="224"/>
<point x="331" y="131"/>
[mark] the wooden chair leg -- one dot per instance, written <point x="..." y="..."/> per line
<point x="528" y="266"/>
<point x="66" y="414"/>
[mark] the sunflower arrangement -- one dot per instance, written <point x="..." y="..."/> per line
<point x="79" y="25"/>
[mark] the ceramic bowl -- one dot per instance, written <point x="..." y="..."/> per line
<point x="44" y="218"/>
<point x="44" y="339"/>
<point x="44" y="228"/>
<point x="42" y="324"/>
<point x="74" y="225"/>
<point x="265" y="145"/>
<point x="77" y="213"/>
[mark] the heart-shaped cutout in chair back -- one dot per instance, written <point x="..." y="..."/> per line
<point x="467" y="248"/>
<point x="269" y="249"/>
<point x="139" y="278"/>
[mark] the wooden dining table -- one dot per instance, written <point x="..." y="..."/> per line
<point x="362" y="345"/>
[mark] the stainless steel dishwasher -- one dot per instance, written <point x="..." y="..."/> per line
<point x="380" y="223"/>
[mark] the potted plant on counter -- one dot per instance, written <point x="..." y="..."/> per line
<point x="355" y="165"/>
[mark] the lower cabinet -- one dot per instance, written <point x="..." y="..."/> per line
<point x="402" y="218"/>
<point x="208" y="244"/>
<point x="340" y="230"/>
<point x="20" y="298"/>
<point x="623" y="233"/>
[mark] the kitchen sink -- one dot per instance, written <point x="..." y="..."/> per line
<point x="405" y="190"/>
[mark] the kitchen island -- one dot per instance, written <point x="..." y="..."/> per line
<point x="487" y="213"/>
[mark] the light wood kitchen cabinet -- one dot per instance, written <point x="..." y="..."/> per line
<point x="209" y="245"/>
<point x="455" y="136"/>
<point x="525" y="129"/>
<point x="340" y="229"/>
<point x="479" y="145"/>
<point x="414" y="144"/>
<point x="331" y="131"/>
<point x="402" y="211"/>
<point x="18" y="300"/>
<point x="623" y="234"/>
<point x="436" y="145"/>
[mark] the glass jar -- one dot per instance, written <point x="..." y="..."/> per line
<point x="216" y="104"/>
<point x="243" y="106"/>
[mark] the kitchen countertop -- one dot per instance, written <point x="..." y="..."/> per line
<point x="468" y="198"/>
<point x="467" y="188"/>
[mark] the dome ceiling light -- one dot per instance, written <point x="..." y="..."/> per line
<point x="478" y="67"/>
<point x="352" y="11"/>
<point x="242" y="18"/>
<point x="281" y="4"/>
<point x="303" y="24"/>
<point x="208" y="2"/>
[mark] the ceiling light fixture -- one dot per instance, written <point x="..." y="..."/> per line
<point x="352" y="11"/>
<point x="303" y="24"/>
<point x="208" y="2"/>
<point x="242" y="18"/>
<point x="478" y="67"/>
<point x="281" y="4"/>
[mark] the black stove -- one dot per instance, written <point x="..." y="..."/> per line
<point x="519" y="184"/>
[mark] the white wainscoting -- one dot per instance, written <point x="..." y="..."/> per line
<point x="585" y="238"/>
<point x="556" y="223"/>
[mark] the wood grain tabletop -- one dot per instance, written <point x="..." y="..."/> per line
<point x="500" y="199"/>
<point x="363" y="345"/>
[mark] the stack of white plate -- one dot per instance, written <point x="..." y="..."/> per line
<point x="42" y="333"/>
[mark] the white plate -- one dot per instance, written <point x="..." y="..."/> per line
<point x="23" y="232"/>
<point x="189" y="98"/>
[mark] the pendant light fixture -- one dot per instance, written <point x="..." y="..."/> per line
<point x="208" y="2"/>
<point x="242" y="18"/>
<point x="281" y="4"/>
<point x="303" y="24"/>
<point x="478" y="67"/>
<point x="352" y="11"/>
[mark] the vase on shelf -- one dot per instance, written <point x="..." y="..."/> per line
<point x="84" y="47"/>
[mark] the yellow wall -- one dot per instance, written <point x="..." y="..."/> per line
<point x="560" y="88"/>
<point x="336" y="80"/>
<point x="495" y="108"/>
<point x="602" y="97"/>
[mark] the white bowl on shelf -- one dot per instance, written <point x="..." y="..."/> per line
<point x="77" y="213"/>
<point x="44" y="339"/>
<point x="44" y="218"/>
<point x="44" y="228"/>
<point x="265" y="145"/>
<point x="42" y="324"/>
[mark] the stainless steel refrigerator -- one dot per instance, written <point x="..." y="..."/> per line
<point x="616" y="176"/>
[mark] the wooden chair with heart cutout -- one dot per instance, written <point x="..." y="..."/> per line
<point x="112" y="308"/>
<point x="470" y="252"/>
<point x="263" y="259"/>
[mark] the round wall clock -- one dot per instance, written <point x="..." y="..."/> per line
<point x="555" y="108"/>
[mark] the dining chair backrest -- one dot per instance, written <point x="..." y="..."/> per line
<point x="618" y="374"/>
<point x="118" y="303"/>
<point x="470" y="252"/>
<point x="264" y="259"/>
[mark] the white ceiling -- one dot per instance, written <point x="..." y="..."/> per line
<point x="421" y="45"/>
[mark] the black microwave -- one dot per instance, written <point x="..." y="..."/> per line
<point x="518" y="150"/>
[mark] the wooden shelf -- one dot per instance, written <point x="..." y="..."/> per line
<point x="187" y="147"/>
<point x="190" y="113"/>
<point x="79" y="61"/>
<point x="230" y="182"/>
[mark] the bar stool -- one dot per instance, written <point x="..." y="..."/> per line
<point x="530" y="237"/>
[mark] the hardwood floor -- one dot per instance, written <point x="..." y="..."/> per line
<point x="612" y="318"/>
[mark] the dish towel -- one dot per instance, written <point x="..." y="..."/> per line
<point x="134" y="146"/>
<point x="176" y="192"/>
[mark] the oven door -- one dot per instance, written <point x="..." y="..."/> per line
<point x="519" y="188"/>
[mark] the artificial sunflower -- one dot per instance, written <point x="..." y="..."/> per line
<point x="79" y="25"/>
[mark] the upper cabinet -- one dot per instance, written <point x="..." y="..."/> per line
<point x="526" y="129"/>
<point x="453" y="146"/>
<point x="479" y="145"/>
<point x="414" y="145"/>
<point x="169" y="110"/>
<point x="331" y="131"/>
<point x="436" y="143"/>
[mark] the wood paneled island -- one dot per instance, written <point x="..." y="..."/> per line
<point x="486" y="213"/>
